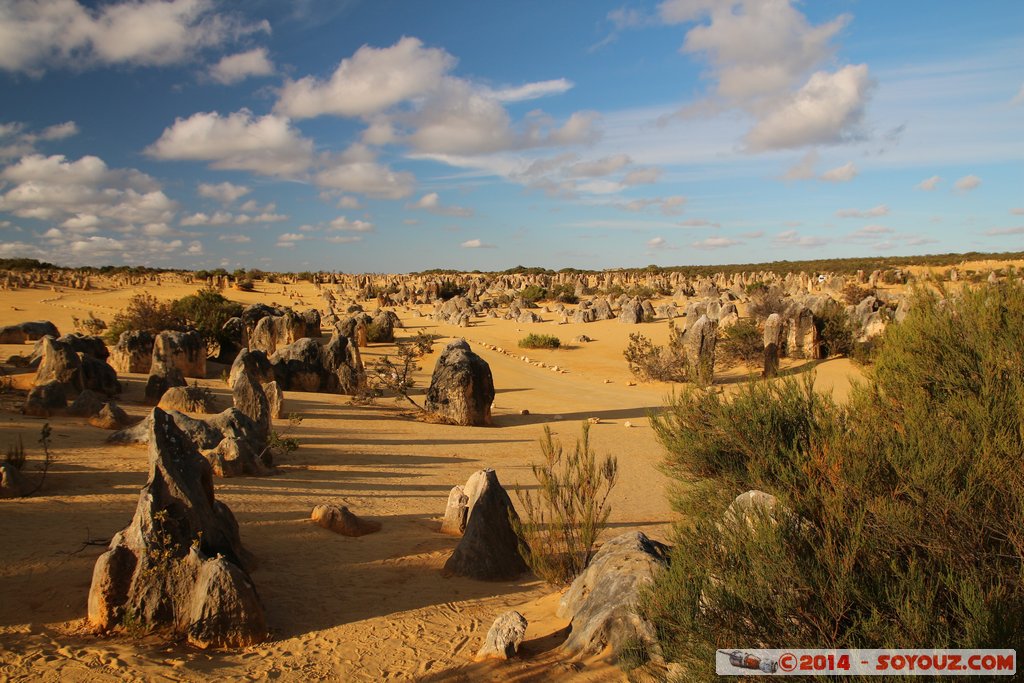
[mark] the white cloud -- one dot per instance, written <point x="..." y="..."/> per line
<point x="804" y="169"/>
<point x="1005" y="231"/>
<point x="34" y="35"/>
<point x="642" y="176"/>
<point x="343" y="223"/>
<point x="15" y="142"/>
<point x="357" y="171"/>
<point x="840" y="174"/>
<point x="1017" y="211"/>
<point x="828" y="109"/>
<point x="225" y="193"/>
<point x="235" y="238"/>
<point x="432" y="202"/>
<point x="880" y="210"/>
<point x="195" y="248"/>
<point x="715" y="243"/>
<point x="669" y="206"/>
<point x="698" y="223"/>
<point x="238" y="67"/>
<point x="268" y="145"/>
<point x="967" y="183"/>
<point x="532" y="91"/>
<point x="599" y="167"/>
<point x="1019" y="97"/>
<point x="476" y="244"/>
<point x="658" y="243"/>
<point x="343" y="239"/>
<point x="791" y="238"/>
<point x="228" y="218"/>
<point x="349" y="202"/>
<point x="87" y="192"/>
<point x="928" y="184"/>
<point x="873" y="230"/>
<point x="370" y="81"/>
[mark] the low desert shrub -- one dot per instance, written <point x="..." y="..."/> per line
<point x="650" y="362"/>
<point x="835" y="330"/>
<point x="765" y="301"/>
<point x="564" y="293"/>
<point x="207" y="310"/>
<point x="853" y="293"/>
<point x="898" y="516"/>
<point x="565" y="516"/>
<point x="531" y="294"/>
<point x="539" y="341"/>
<point x="90" y="325"/>
<point x="742" y="343"/>
<point x="144" y="313"/>
<point x="246" y="285"/>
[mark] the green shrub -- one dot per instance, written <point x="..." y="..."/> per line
<point x="765" y="301"/>
<point x="835" y="331"/>
<point x="564" y="517"/>
<point x="449" y="290"/>
<point x="853" y="293"/>
<point x="900" y="516"/>
<point x="145" y="313"/>
<point x="207" y="310"/>
<point x="539" y="341"/>
<point x="564" y="293"/>
<point x="533" y="293"/>
<point x="245" y="285"/>
<point x="648" y="362"/>
<point x="741" y="343"/>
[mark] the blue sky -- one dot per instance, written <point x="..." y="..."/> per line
<point x="398" y="136"/>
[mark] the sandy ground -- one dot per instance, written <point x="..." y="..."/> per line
<point x="371" y="608"/>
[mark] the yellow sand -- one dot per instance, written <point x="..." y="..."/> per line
<point x="355" y="609"/>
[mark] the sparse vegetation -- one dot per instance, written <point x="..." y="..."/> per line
<point x="207" y="310"/>
<point x="540" y="341"/>
<point x="564" y="293"/>
<point x="90" y="325"/>
<point x="565" y="516"/>
<point x="396" y="375"/>
<point x="16" y="454"/>
<point x="279" y="444"/>
<point x="648" y="361"/>
<point x="853" y="293"/>
<point x="531" y="294"/>
<point x="764" y="301"/>
<point x="898" y="516"/>
<point x="246" y="285"/>
<point x="144" y="313"/>
<point x="834" y="330"/>
<point x="741" y="343"/>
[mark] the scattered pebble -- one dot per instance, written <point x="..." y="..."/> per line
<point x="594" y="420"/>
<point x="630" y="384"/>
<point x="607" y="381"/>
<point x="524" y="411"/>
<point x="627" y="423"/>
<point x="558" y="417"/>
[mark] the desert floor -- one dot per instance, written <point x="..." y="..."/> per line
<point x="370" y="608"/>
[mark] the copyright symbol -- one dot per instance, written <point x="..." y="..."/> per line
<point x="787" y="661"/>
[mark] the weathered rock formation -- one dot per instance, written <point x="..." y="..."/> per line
<point x="504" y="636"/>
<point x="699" y="340"/>
<point x="461" y="387"/>
<point x="133" y="352"/>
<point x="340" y="520"/>
<point x="179" y="567"/>
<point x="489" y="548"/>
<point x="601" y="602"/>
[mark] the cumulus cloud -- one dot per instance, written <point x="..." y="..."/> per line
<point x="343" y="239"/>
<point x="873" y="230"/>
<point x="657" y="243"/>
<point x="804" y="169"/>
<point x="235" y="238"/>
<point x="791" y="238"/>
<point x="669" y="206"/>
<point x="1017" y="211"/>
<point x="840" y="174"/>
<point x="357" y="171"/>
<point x="828" y="109"/>
<point x="35" y="35"/>
<point x="225" y="193"/>
<point x="967" y="183"/>
<point x="928" y="184"/>
<point x="407" y="94"/>
<point x="476" y="244"/>
<point x="85" y="193"/>
<point x="642" y="176"/>
<point x="370" y="81"/>
<point x="698" y="223"/>
<point x="1018" y="230"/>
<point x="267" y="145"/>
<point x="432" y="202"/>
<point x="599" y="167"/>
<point x="761" y="56"/>
<point x="344" y="224"/>
<point x="228" y="218"/>
<point x="880" y="210"/>
<point x="715" y="243"/>
<point x="235" y="68"/>
<point x="16" y="142"/>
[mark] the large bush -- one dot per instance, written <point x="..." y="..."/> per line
<point x="145" y="313"/>
<point x="648" y="361"/>
<point x="540" y="341"/>
<point x="207" y="310"/>
<point x="899" y="516"/>
<point x="741" y="343"/>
